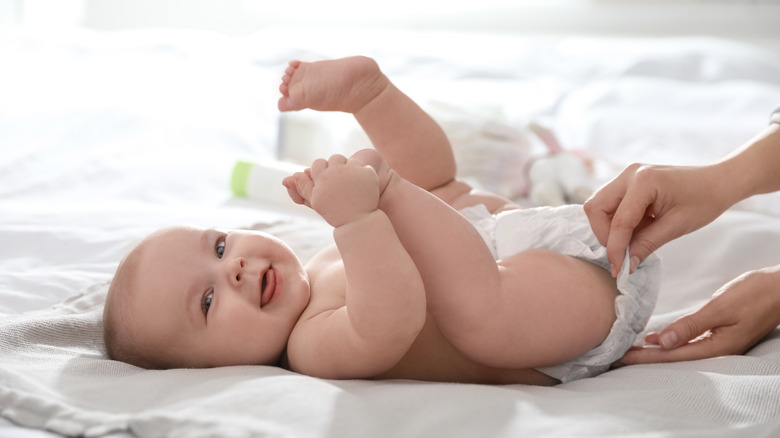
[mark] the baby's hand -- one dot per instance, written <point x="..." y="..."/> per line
<point x="339" y="190"/>
<point x="372" y="158"/>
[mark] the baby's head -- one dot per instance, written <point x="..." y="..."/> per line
<point x="192" y="297"/>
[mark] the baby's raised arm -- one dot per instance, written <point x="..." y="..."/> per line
<point x="385" y="299"/>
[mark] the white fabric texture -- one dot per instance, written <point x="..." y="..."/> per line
<point x="776" y="115"/>
<point x="107" y="137"/>
<point x="54" y="375"/>
<point x="566" y="230"/>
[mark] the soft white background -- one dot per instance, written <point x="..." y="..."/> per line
<point x="755" y="21"/>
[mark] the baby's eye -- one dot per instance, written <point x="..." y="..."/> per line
<point x="206" y="304"/>
<point x="220" y="248"/>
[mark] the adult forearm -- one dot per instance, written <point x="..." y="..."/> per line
<point x="754" y="168"/>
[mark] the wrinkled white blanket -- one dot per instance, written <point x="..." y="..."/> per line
<point x="54" y="375"/>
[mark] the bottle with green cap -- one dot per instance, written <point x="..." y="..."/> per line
<point x="263" y="181"/>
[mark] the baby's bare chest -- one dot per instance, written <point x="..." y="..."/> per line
<point x="328" y="281"/>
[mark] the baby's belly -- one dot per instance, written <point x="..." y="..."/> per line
<point x="432" y="358"/>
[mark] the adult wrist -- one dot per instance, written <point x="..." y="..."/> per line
<point x="753" y="168"/>
<point x="730" y="183"/>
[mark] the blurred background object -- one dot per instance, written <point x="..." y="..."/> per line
<point x="753" y="21"/>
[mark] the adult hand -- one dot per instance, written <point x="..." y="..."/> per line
<point x="647" y="206"/>
<point x="740" y="313"/>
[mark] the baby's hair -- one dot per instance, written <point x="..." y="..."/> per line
<point x="115" y="325"/>
<point x="118" y="333"/>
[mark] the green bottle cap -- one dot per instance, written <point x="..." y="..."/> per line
<point x="240" y="178"/>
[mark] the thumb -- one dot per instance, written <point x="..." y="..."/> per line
<point x="687" y="328"/>
<point x="650" y="236"/>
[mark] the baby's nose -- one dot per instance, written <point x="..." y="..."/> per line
<point x="236" y="270"/>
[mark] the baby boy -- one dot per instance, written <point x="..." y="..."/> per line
<point x="429" y="279"/>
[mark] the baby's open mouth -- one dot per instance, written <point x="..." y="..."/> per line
<point x="267" y="287"/>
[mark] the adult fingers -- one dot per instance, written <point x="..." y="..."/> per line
<point x="652" y="235"/>
<point x="627" y="219"/>
<point x="601" y="206"/>
<point x="691" y="326"/>
<point x="699" y="349"/>
<point x="653" y="338"/>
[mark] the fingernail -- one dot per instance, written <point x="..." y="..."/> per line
<point x="634" y="263"/>
<point x="668" y="339"/>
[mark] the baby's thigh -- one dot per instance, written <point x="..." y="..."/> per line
<point x="547" y="309"/>
<point x="558" y="306"/>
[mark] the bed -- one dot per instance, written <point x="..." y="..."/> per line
<point x="106" y="137"/>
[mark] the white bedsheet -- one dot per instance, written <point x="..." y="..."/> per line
<point x="106" y="137"/>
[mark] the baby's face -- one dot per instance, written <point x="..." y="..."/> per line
<point x="213" y="298"/>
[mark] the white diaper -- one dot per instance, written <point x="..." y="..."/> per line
<point x="566" y="230"/>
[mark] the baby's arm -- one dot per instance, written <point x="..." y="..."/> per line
<point x="385" y="300"/>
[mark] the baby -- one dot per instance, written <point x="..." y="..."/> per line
<point x="429" y="279"/>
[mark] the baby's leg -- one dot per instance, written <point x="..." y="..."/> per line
<point x="551" y="308"/>
<point x="409" y="139"/>
<point x="345" y="85"/>
<point x="534" y="309"/>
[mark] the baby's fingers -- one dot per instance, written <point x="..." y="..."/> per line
<point x="299" y="187"/>
<point x="320" y="165"/>
<point x="317" y="168"/>
<point x="292" y="190"/>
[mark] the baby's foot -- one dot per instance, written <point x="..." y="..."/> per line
<point x="346" y="84"/>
